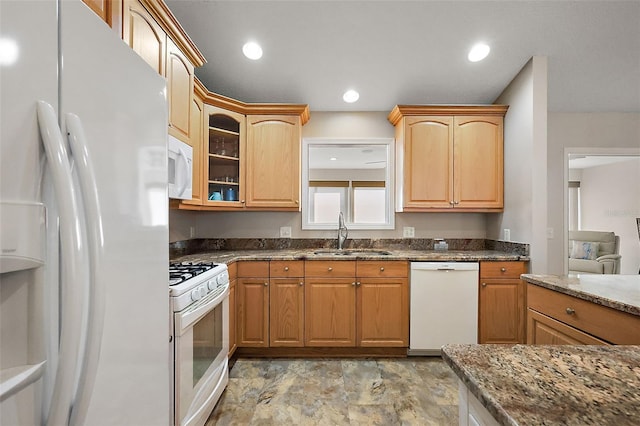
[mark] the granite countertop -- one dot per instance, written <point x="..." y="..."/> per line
<point x="568" y="385"/>
<point x="621" y="292"/>
<point x="221" y="256"/>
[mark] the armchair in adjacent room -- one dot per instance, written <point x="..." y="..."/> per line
<point x="594" y="252"/>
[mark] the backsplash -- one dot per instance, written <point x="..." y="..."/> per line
<point x="181" y="248"/>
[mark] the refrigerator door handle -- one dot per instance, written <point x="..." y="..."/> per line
<point x="73" y="258"/>
<point x="95" y="240"/>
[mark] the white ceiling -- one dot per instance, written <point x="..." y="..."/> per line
<point x="414" y="52"/>
<point x="586" y="161"/>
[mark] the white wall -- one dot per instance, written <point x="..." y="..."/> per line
<point x="572" y="130"/>
<point x="610" y="201"/>
<point x="525" y="158"/>
<point x="267" y="224"/>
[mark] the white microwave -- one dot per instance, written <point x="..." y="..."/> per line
<point x="180" y="169"/>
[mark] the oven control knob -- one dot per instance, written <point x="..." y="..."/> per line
<point x="211" y="284"/>
<point x="195" y="294"/>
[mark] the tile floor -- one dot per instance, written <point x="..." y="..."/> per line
<point x="386" y="391"/>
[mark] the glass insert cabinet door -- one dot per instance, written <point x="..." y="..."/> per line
<point x="225" y="132"/>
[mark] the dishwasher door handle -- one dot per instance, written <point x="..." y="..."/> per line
<point x="446" y="269"/>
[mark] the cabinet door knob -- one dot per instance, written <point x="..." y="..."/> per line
<point x="353" y="284"/>
<point x="301" y="283"/>
<point x="484" y="284"/>
<point x="358" y="283"/>
<point x="329" y="269"/>
<point x="503" y="269"/>
<point x="266" y="284"/>
<point x="382" y="269"/>
<point x="570" y="311"/>
<point x="286" y="268"/>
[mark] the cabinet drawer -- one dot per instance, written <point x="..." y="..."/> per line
<point x="605" y="323"/>
<point x="253" y="268"/>
<point x="286" y="268"/>
<point x="502" y="269"/>
<point x="384" y="268"/>
<point x="330" y="268"/>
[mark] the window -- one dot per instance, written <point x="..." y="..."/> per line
<point x="349" y="176"/>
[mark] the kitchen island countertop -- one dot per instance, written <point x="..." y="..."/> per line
<point x="552" y="385"/>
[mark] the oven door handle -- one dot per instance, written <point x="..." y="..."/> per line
<point x="186" y="318"/>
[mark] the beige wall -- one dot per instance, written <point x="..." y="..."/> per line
<point x="525" y="157"/>
<point x="579" y="130"/>
<point x="610" y="199"/>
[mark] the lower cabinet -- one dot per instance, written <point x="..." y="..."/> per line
<point x="502" y="307"/>
<point x="555" y="318"/>
<point x="382" y="303"/>
<point x="544" y="330"/>
<point x="286" y="303"/>
<point x="322" y="304"/>
<point x="330" y="314"/>
<point x="253" y="304"/>
<point x="233" y="279"/>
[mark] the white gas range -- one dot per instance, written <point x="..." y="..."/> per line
<point x="199" y="301"/>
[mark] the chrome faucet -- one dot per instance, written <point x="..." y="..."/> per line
<point x="343" y="232"/>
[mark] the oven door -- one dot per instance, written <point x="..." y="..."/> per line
<point x="201" y="357"/>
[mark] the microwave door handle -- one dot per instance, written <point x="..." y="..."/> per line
<point x="72" y="257"/>
<point x="95" y="238"/>
<point x="186" y="171"/>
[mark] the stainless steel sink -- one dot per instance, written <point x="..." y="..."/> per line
<point x="351" y="252"/>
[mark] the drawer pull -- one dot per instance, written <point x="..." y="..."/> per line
<point x="381" y="269"/>
<point x="329" y="269"/>
<point x="570" y="311"/>
<point x="286" y="268"/>
<point x="503" y="269"/>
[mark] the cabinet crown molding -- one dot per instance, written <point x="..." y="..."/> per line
<point x="221" y="101"/>
<point x="172" y="27"/>
<point x="400" y="111"/>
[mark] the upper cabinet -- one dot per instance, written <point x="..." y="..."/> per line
<point x="179" y="92"/>
<point x="223" y="160"/>
<point x="110" y="11"/>
<point x="152" y="31"/>
<point x="273" y="161"/>
<point x="449" y="158"/>
<point x="250" y="156"/>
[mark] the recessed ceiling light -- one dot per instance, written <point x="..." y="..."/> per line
<point x="333" y="159"/>
<point x="478" y="52"/>
<point x="350" y="96"/>
<point x="252" y="50"/>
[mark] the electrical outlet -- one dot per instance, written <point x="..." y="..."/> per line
<point x="192" y="232"/>
<point x="550" y="233"/>
<point x="285" y="232"/>
<point x="408" y="232"/>
<point x="507" y="234"/>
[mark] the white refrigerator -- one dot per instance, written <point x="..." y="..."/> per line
<point x="84" y="303"/>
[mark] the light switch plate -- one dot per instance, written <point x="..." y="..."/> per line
<point x="507" y="234"/>
<point x="192" y="232"/>
<point x="285" y="232"/>
<point x="550" y="233"/>
<point x="408" y="232"/>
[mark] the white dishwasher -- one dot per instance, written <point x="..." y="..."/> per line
<point x="444" y="305"/>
